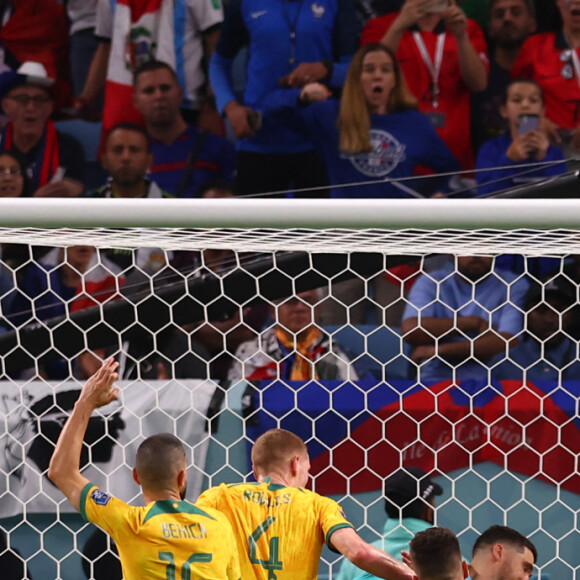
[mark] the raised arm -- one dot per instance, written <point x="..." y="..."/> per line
<point x="64" y="469"/>
<point x="411" y="12"/>
<point x="369" y="558"/>
<point x="97" y="76"/>
<point x="473" y="69"/>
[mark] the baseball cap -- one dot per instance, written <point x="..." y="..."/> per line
<point x="29" y="73"/>
<point x="401" y="487"/>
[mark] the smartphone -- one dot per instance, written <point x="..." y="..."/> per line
<point x="528" y="123"/>
<point x="438" y="6"/>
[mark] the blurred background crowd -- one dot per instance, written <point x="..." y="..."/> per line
<point x="293" y="98"/>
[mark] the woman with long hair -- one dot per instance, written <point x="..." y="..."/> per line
<point x="373" y="136"/>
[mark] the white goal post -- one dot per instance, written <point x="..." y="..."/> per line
<point x="504" y="450"/>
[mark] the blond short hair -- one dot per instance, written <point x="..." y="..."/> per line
<point x="275" y="447"/>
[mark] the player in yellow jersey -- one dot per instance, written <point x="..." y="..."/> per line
<point x="280" y="527"/>
<point x="168" y="539"/>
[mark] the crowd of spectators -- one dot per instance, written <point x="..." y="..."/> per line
<point x="198" y="68"/>
<point x="297" y="100"/>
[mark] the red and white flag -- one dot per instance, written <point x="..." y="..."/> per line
<point x="101" y="283"/>
<point x="142" y="30"/>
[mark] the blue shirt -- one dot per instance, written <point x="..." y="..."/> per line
<point x="493" y="154"/>
<point x="396" y="537"/>
<point x="325" y="30"/>
<point x="532" y="362"/>
<point x="400" y="141"/>
<point x="446" y="294"/>
<point x="42" y="296"/>
<point x="217" y="158"/>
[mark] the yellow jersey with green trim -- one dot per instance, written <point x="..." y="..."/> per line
<point x="165" y="540"/>
<point x="280" y="530"/>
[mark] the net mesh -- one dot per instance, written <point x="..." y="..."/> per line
<point x="375" y="346"/>
<point x="391" y="242"/>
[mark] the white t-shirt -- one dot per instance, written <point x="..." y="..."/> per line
<point x="190" y="19"/>
<point x="82" y="14"/>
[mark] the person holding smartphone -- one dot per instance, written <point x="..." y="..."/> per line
<point x="506" y="160"/>
<point x="553" y="60"/>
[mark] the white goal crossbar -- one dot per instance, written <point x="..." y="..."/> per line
<point x="290" y="213"/>
<point x="537" y="227"/>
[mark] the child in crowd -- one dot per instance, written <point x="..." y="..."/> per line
<point x="509" y="155"/>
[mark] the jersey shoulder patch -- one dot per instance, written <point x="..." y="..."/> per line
<point x="100" y="497"/>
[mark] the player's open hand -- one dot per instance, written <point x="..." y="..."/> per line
<point x="99" y="389"/>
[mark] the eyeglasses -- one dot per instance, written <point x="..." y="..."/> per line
<point x="24" y="100"/>
<point x="4" y="171"/>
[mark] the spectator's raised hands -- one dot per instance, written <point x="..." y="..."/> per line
<point x="455" y="21"/>
<point x="413" y="10"/>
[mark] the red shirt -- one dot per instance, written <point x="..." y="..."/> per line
<point x="454" y="97"/>
<point x="539" y="59"/>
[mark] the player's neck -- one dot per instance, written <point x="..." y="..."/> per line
<point x="151" y="496"/>
<point x="278" y="479"/>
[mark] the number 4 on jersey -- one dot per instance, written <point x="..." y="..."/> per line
<point x="272" y="563"/>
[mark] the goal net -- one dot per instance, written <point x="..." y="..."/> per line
<point x="434" y="334"/>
